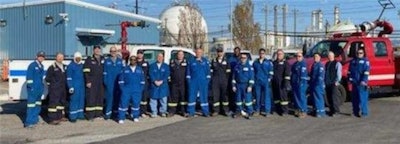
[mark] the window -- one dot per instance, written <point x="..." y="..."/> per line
<point x="380" y="49"/>
<point x="151" y="55"/>
<point x="324" y="47"/>
<point x="352" y="51"/>
<point x="187" y="55"/>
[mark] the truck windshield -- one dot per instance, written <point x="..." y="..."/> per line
<point x="324" y="47"/>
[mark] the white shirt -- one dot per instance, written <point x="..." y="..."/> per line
<point x="133" y="68"/>
<point x="159" y="65"/>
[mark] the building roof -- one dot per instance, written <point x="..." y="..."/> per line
<point x="83" y="4"/>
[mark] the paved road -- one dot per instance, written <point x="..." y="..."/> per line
<point x="383" y="126"/>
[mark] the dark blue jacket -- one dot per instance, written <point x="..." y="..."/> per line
<point x="157" y="74"/>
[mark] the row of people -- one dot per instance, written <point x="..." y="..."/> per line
<point x="135" y="84"/>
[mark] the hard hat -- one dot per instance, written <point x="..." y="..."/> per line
<point x="77" y="55"/>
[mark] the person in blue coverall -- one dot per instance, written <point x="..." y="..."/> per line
<point x="243" y="81"/>
<point x="263" y="70"/>
<point x="358" y="75"/>
<point x="35" y="87"/>
<point x="131" y="82"/>
<point x="112" y="68"/>
<point x="76" y="88"/>
<point x="299" y="80"/>
<point x="159" y="89"/>
<point x="317" y="86"/>
<point x="198" y="77"/>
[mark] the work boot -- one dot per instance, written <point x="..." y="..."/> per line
<point x="214" y="114"/>
<point x="63" y="119"/>
<point x="302" y="115"/>
<point x="256" y="114"/>
<point x="54" y="122"/>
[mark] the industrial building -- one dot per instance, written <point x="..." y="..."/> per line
<point x="67" y="26"/>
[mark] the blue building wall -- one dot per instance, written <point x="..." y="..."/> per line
<point x="26" y="32"/>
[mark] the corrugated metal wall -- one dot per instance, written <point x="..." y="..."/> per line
<point x="26" y="33"/>
<point x="89" y="18"/>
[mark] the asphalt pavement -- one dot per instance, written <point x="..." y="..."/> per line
<point x="381" y="127"/>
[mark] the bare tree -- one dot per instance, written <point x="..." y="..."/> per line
<point x="246" y="33"/>
<point x="191" y="30"/>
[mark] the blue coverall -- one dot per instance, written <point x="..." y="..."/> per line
<point x="111" y="71"/>
<point x="317" y="87"/>
<point x="198" y="77"/>
<point x="263" y="71"/>
<point x="131" y="84"/>
<point x="299" y="80"/>
<point x="35" y="87"/>
<point x="159" y="92"/>
<point x="358" y="73"/>
<point x="76" y="81"/>
<point x="242" y="79"/>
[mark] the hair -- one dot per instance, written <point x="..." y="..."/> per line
<point x="317" y="54"/>
<point x="179" y="52"/>
<point x="261" y="50"/>
<point x="331" y="52"/>
<point x="280" y="50"/>
<point x="132" y="56"/>
<point x="96" y="46"/>
<point x="59" y="53"/>
<point x="161" y="54"/>
<point x="236" y="48"/>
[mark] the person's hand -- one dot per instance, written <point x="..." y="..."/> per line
<point x="363" y="83"/>
<point x="88" y="85"/>
<point x="71" y="90"/>
<point x="249" y="89"/>
<point x="234" y="89"/>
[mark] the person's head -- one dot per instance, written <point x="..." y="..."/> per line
<point x="139" y="54"/>
<point x="236" y="50"/>
<point x="40" y="56"/>
<point x="280" y="54"/>
<point x="317" y="57"/>
<point x="261" y="53"/>
<point x="243" y="58"/>
<point x="113" y="51"/>
<point x="97" y="50"/>
<point x="331" y="56"/>
<point x="160" y="58"/>
<point x="360" y="53"/>
<point x="59" y="57"/>
<point x="180" y="55"/>
<point x="198" y="52"/>
<point x="77" y="57"/>
<point x="299" y="56"/>
<point x="220" y="52"/>
<point x="132" y="60"/>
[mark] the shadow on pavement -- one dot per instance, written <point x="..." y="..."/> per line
<point x="19" y="108"/>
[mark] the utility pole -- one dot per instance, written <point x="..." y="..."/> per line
<point x="136" y="7"/>
<point x="295" y="28"/>
<point x="276" y="26"/>
<point x="284" y="11"/>
<point x="266" y="27"/>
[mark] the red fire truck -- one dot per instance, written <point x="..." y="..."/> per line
<point x="385" y="65"/>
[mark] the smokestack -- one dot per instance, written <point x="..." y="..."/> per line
<point x="336" y="15"/>
<point x="320" y="20"/>
<point x="275" y="26"/>
<point x="284" y="8"/>
<point x="313" y="20"/>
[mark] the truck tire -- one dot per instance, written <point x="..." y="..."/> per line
<point x="343" y="94"/>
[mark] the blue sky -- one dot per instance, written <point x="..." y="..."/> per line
<point x="216" y="11"/>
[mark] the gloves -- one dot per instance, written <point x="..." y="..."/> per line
<point x="71" y="90"/>
<point x="234" y="89"/>
<point x="249" y="89"/>
<point x="88" y="85"/>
